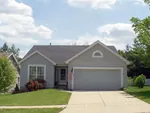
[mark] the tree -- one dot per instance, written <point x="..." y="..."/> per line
<point x="121" y="53"/>
<point x="141" y="44"/>
<point x="7" y="74"/>
<point x="131" y="56"/>
<point x="14" y="50"/>
<point x="5" y="48"/>
<point x="147" y="1"/>
<point x="11" y="49"/>
<point x="139" y="53"/>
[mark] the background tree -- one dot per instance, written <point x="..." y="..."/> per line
<point x="7" y="74"/>
<point x="147" y="1"/>
<point x="5" y="48"/>
<point x="11" y="49"/>
<point x="14" y="50"/>
<point x="122" y="53"/>
<point x="139" y="53"/>
<point x="142" y="41"/>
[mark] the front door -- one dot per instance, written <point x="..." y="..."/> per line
<point x="62" y="76"/>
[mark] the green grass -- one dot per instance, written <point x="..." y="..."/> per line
<point x="41" y="97"/>
<point x="143" y="94"/>
<point x="30" y="110"/>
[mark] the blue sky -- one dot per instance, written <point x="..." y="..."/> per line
<point x="29" y="22"/>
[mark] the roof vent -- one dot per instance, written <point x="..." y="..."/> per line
<point x="50" y="44"/>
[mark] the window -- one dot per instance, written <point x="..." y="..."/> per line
<point x="40" y="73"/>
<point x="36" y="72"/>
<point x="97" y="54"/>
<point x="63" y="74"/>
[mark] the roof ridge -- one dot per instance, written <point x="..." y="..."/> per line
<point x="63" y="45"/>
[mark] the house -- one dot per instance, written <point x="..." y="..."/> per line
<point x="15" y="63"/>
<point x="93" y="67"/>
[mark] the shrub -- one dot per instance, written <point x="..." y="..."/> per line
<point x="122" y="89"/>
<point x="7" y="74"/>
<point x="130" y="81"/>
<point x="20" y="91"/>
<point x="140" y="81"/>
<point x="134" y="80"/>
<point x="144" y="78"/>
<point x="17" y="88"/>
<point x="36" y="84"/>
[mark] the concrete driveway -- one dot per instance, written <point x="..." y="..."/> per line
<point x="105" y="102"/>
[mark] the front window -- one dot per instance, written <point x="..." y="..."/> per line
<point x="36" y="72"/>
<point x="40" y="73"/>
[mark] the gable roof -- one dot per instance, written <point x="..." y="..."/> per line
<point x="8" y="55"/>
<point x="103" y="45"/>
<point x="39" y="54"/>
<point x="60" y="53"/>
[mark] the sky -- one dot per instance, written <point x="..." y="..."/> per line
<point x="67" y="22"/>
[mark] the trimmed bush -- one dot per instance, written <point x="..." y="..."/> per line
<point x="36" y="84"/>
<point x="144" y="78"/>
<point x="140" y="81"/>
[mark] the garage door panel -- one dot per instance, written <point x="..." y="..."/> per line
<point x="92" y="79"/>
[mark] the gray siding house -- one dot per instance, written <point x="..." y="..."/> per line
<point x="93" y="67"/>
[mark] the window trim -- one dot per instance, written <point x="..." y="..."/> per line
<point x="40" y="65"/>
<point x="97" y="51"/>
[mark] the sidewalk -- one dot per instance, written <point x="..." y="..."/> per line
<point x="30" y="107"/>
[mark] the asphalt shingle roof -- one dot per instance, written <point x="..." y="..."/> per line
<point x="59" y="53"/>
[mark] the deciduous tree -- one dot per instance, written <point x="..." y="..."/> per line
<point x="7" y="74"/>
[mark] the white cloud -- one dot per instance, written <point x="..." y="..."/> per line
<point x="101" y="4"/>
<point x="136" y="2"/>
<point x="17" y="24"/>
<point x="19" y="41"/>
<point x="23" y="52"/>
<point x="96" y="4"/>
<point x="118" y="34"/>
<point x="118" y="29"/>
<point x="11" y="6"/>
<point x="140" y="2"/>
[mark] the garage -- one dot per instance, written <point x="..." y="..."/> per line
<point x="97" y="78"/>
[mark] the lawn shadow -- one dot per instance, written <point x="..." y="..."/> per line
<point x="127" y="95"/>
<point x="138" y="94"/>
<point x="143" y="94"/>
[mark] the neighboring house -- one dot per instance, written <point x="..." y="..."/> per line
<point x="15" y="63"/>
<point x="93" y="67"/>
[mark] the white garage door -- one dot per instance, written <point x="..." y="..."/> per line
<point x="97" y="79"/>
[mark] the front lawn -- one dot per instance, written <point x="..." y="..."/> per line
<point x="143" y="94"/>
<point x="30" y="110"/>
<point x="41" y="97"/>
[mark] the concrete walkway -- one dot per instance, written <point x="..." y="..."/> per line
<point x="30" y="107"/>
<point x="105" y="102"/>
